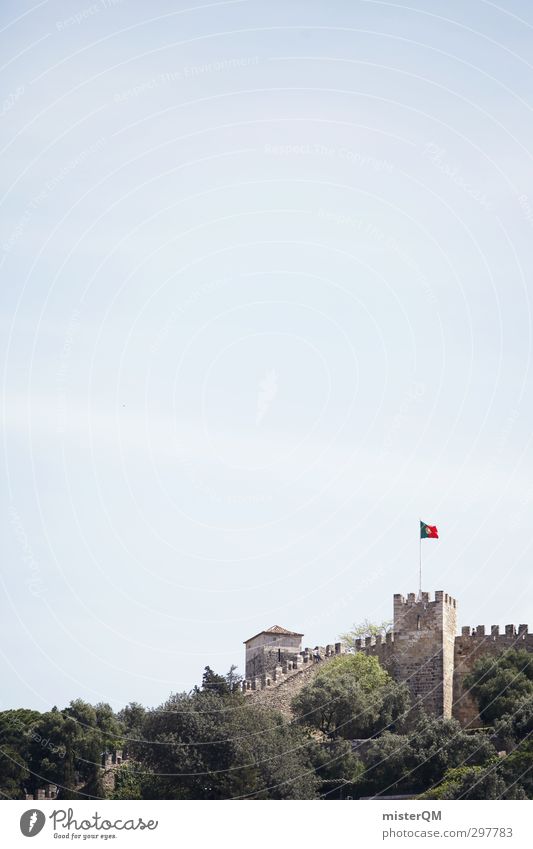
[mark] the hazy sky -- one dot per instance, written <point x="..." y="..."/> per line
<point x="266" y="274"/>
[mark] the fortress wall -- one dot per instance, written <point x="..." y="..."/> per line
<point x="472" y="645"/>
<point x="278" y="691"/>
<point x="382" y="647"/>
<point x="265" y="651"/>
<point x="421" y="649"/>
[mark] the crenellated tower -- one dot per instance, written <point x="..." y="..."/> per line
<point x="271" y="648"/>
<point x="422" y="650"/>
<point x="424" y="638"/>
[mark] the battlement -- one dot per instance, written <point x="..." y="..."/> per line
<point x="512" y="636"/>
<point x="472" y="645"/>
<point x="372" y="642"/>
<point x="304" y="660"/>
<point x="49" y="791"/>
<point x="441" y="598"/>
<point x="422" y="649"/>
<point x="510" y="631"/>
<point x="382" y="647"/>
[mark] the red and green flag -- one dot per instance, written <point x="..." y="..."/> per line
<point x="428" y="531"/>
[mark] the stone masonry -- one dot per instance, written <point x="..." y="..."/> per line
<point x="271" y="648"/>
<point x="469" y="647"/>
<point x="422" y="641"/>
<point x="422" y="650"/>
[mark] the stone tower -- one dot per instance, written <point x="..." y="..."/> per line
<point x="424" y="639"/>
<point x="269" y="649"/>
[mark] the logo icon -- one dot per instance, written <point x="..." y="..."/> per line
<point x="32" y="822"/>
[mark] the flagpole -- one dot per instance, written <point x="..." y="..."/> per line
<point x="419" y="562"/>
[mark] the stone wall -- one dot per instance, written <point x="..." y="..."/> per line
<point x="266" y="651"/>
<point x="420" y="649"/>
<point x="278" y="693"/>
<point x="472" y="645"/>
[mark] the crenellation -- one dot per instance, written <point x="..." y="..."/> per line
<point x="468" y="650"/>
<point x="422" y="649"/>
<point x="480" y="635"/>
<point x="289" y="668"/>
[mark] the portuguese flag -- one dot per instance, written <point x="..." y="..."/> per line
<point x="428" y="531"/>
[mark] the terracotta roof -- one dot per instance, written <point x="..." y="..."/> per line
<point x="275" y="629"/>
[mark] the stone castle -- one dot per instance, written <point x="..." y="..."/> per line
<point x="422" y="650"/>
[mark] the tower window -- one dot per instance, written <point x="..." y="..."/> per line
<point x="418" y="623"/>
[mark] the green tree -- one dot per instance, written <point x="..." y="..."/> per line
<point x="131" y="719"/>
<point x="351" y="697"/>
<point x="475" y="782"/>
<point x="14" y="773"/>
<point x="439" y="744"/>
<point x="128" y="782"/>
<point x="414" y="762"/>
<point x="214" y="744"/>
<point x="221" y="684"/>
<point x="514" y="727"/>
<point x="336" y="767"/>
<point x="361" y="630"/>
<point x="500" y="683"/>
<point x="516" y="768"/>
<point x="388" y="762"/>
<point x="16" y="728"/>
<point x="215" y="683"/>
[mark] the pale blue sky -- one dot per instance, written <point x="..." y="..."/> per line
<point x="266" y="274"/>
